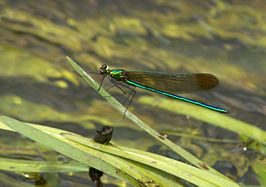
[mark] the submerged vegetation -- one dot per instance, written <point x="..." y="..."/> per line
<point x="227" y="39"/>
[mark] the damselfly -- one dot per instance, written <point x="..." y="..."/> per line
<point x="163" y="83"/>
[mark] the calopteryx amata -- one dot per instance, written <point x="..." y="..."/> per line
<point x="163" y="83"/>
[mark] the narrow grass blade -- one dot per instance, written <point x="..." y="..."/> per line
<point x="20" y="165"/>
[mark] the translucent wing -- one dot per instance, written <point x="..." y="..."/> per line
<point x="174" y="83"/>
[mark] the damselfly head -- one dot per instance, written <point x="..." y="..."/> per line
<point x="103" y="69"/>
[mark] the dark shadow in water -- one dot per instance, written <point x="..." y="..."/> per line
<point x="47" y="94"/>
<point x="84" y="9"/>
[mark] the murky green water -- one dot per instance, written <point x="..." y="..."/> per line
<point x="225" y="38"/>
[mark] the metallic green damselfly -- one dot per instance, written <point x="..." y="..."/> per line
<point x="163" y="83"/>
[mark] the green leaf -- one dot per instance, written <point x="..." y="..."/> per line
<point x="19" y="165"/>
